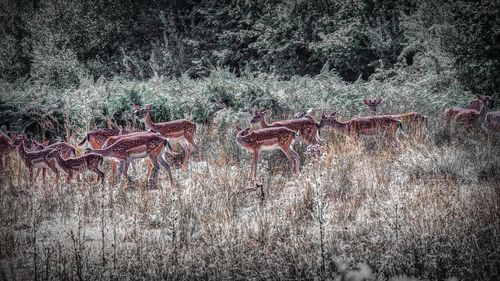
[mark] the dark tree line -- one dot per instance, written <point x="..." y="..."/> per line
<point x="57" y="42"/>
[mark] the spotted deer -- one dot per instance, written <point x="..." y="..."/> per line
<point x="492" y="121"/>
<point x="150" y="145"/>
<point x="268" y="139"/>
<point x="36" y="159"/>
<point x="70" y="166"/>
<point x="181" y="130"/>
<point x="475" y="104"/>
<point x="304" y="126"/>
<point x="373" y="125"/>
<point x="414" y="119"/>
<point x="471" y="118"/>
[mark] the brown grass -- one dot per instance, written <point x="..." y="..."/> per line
<point x="364" y="210"/>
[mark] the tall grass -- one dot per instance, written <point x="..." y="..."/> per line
<point x="425" y="210"/>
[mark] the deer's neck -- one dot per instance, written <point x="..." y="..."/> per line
<point x="474" y="104"/>
<point x="59" y="160"/>
<point x="339" y="126"/>
<point x="149" y="122"/>
<point x="263" y="123"/>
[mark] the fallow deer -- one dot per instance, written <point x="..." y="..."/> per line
<point x="150" y="145"/>
<point x="305" y="126"/>
<point x="268" y="139"/>
<point x="492" y="121"/>
<point x="34" y="159"/>
<point x="374" y="125"/>
<point x="475" y="104"/>
<point x="471" y="118"/>
<point x="415" y="119"/>
<point x="181" y="130"/>
<point x="90" y="161"/>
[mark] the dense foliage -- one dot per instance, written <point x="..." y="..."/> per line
<point x="59" y="43"/>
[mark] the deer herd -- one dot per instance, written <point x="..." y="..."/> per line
<point x="123" y="147"/>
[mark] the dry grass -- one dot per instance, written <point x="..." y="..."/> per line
<point x="364" y="210"/>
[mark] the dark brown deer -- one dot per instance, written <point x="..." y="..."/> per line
<point x="181" y="130"/>
<point x="373" y="125"/>
<point x="305" y="126"/>
<point x="70" y="166"/>
<point x="268" y="139"/>
<point x="150" y="145"/>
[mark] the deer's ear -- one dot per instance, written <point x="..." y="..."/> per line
<point x="268" y="111"/>
<point x="365" y="101"/>
<point x="136" y="107"/>
<point x="149" y="107"/>
<point x="380" y="100"/>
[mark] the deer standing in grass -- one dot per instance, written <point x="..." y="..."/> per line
<point x="150" y="145"/>
<point x="268" y="139"/>
<point x="181" y="130"/>
<point x="471" y="118"/>
<point x="475" y="104"/>
<point x="414" y="119"/>
<point x="90" y="162"/>
<point x="304" y="125"/>
<point x="492" y="121"/>
<point x="36" y="159"/>
<point x="374" y="125"/>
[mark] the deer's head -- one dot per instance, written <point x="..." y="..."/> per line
<point x="372" y="103"/>
<point x="141" y="111"/>
<point x="327" y="118"/>
<point x="258" y="114"/>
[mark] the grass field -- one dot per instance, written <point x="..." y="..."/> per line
<point x="427" y="209"/>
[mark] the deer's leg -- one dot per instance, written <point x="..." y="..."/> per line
<point x="99" y="173"/>
<point x="44" y="174"/>
<point x="150" y="167"/>
<point x="38" y="172"/>
<point x="52" y="166"/>
<point x="31" y="175"/>
<point x="152" y="179"/>
<point x="190" y="139"/>
<point x="187" y="153"/>
<point x="113" y="168"/>
<point x="290" y="156"/>
<point x="254" y="164"/>
<point x="68" y="177"/>
<point x="166" y="165"/>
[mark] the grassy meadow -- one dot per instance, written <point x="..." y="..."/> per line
<point x="427" y="209"/>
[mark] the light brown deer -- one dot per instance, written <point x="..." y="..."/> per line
<point x="268" y="139"/>
<point x="181" y="130"/>
<point x="304" y="125"/>
<point x="414" y="119"/>
<point x="471" y="118"/>
<point x="111" y="140"/>
<point x="373" y="125"/>
<point x="90" y="162"/>
<point x="150" y="145"/>
<point x="34" y="159"/>
<point x="450" y="113"/>
<point x="492" y="121"/>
